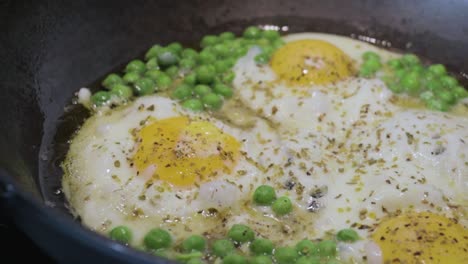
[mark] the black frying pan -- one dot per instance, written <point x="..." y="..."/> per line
<point x="49" y="49"/>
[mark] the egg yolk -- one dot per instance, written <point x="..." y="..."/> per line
<point x="305" y="62"/>
<point x="185" y="152"/>
<point x="422" y="238"/>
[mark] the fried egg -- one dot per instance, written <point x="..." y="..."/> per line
<point x="355" y="157"/>
<point x="340" y="146"/>
<point x="153" y="163"/>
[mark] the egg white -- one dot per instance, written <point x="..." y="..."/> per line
<point x="105" y="190"/>
<point x="345" y="153"/>
<point x="335" y="137"/>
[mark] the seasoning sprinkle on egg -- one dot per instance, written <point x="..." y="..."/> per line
<point x="262" y="148"/>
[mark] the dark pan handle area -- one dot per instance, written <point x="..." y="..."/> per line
<point x="49" y="49"/>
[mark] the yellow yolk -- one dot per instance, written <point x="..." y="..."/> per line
<point x="185" y="152"/>
<point x="422" y="238"/>
<point x="305" y="62"/>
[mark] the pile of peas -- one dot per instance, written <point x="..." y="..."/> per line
<point x="266" y="195"/>
<point x="261" y="251"/>
<point x="432" y="83"/>
<point x="199" y="80"/>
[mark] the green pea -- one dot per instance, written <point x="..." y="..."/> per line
<point x="270" y="34"/>
<point x="193" y="104"/>
<point x="437" y="104"/>
<point x="411" y="82"/>
<point x="247" y="42"/>
<point x="195" y="261"/>
<point x="429" y="76"/>
<point x="252" y="32"/>
<point x="131" y="77"/>
<point x="222" y="66"/>
<point x="157" y="238"/>
<point x="217" y="80"/>
<point x="261" y="246"/>
<point x="348" y="235"/>
<point x="372" y="64"/>
<point x="153" y="74"/>
<point x="190" y="255"/>
<point x="327" y="248"/>
<point x="400" y="73"/>
<point x="446" y="97"/>
<point x="201" y="89"/>
<point x="241" y="233"/>
<point x="182" y="92"/>
<point x="459" y="92"/>
<point x="189" y="53"/>
<point x="261" y="260"/>
<point x="419" y="69"/>
<point x="438" y="69"/>
<point x="191" y="79"/>
<point x="410" y="59"/>
<point x="230" y="62"/>
<point x="262" y="42"/>
<point x="282" y="205"/>
<point x="231" y="46"/>
<point x="278" y="43"/>
<point x="434" y="85"/>
<point x="234" y="259"/>
<point x="152" y="64"/>
<point x="175" y="47"/>
<point x="286" y="255"/>
<point x="221" y="50"/>
<point x="206" y="57"/>
<point x="223" y="90"/>
<point x="264" y="195"/>
<point x="366" y="72"/>
<point x="448" y="81"/>
<point x="222" y="247"/>
<point x="306" y="247"/>
<point x="241" y="51"/>
<point x="163" y="82"/>
<point x="228" y="77"/>
<point x="135" y="66"/>
<point x="122" y="234"/>
<point x="236" y="43"/>
<point x="167" y="57"/>
<point x="100" y="98"/>
<point x="205" y="74"/>
<point x="268" y="50"/>
<point x="212" y="101"/>
<point x="209" y="40"/>
<point x="111" y="80"/>
<point x="153" y="52"/>
<point x="145" y="86"/>
<point x="308" y="260"/>
<point x="187" y="63"/>
<point x="123" y="91"/>
<point x="172" y="72"/>
<point x="262" y="58"/>
<point x="370" y="55"/>
<point x="194" y="242"/>
<point x="227" y="36"/>
<point x="395" y="64"/>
